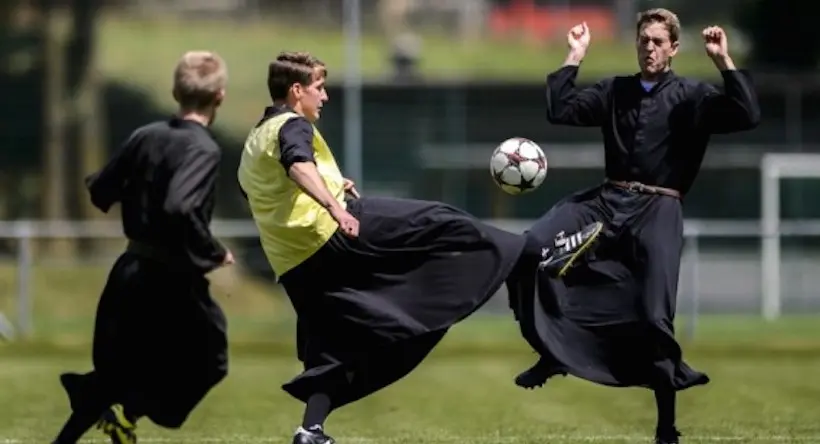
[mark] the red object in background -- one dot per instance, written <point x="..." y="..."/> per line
<point x="549" y="22"/>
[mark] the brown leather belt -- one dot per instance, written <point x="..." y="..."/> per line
<point x="638" y="187"/>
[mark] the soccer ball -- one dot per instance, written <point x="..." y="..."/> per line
<point x="518" y="165"/>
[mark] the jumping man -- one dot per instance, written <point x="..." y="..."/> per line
<point x="600" y="303"/>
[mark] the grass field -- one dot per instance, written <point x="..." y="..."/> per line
<point x="64" y="293"/>
<point x="64" y="296"/>
<point x="764" y="394"/>
<point x="764" y="387"/>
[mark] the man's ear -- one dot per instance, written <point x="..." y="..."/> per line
<point x="675" y="46"/>
<point x="220" y="97"/>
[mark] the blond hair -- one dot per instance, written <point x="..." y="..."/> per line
<point x="199" y="78"/>
<point x="660" y="15"/>
<point x="293" y="67"/>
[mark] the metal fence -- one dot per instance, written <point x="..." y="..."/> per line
<point x="714" y="279"/>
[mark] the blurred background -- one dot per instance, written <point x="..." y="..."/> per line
<point x="420" y="93"/>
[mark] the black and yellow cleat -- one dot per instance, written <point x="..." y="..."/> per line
<point x="117" y="426"/>
<point x="569" y="249"/>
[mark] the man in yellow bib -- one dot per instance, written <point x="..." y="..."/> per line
<point x="375" y="282"/>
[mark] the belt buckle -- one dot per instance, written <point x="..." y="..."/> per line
<point x="635" y="187"/>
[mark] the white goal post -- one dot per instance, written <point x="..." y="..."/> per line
<point x="773" y="168"/>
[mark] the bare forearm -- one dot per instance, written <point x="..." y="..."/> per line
<point x="307" y="177"/>
<point x="724" y="63"/>
<point x="574" y="58"/>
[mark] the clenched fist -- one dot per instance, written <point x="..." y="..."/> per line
<point x="715" y="43"/>
<point x="578" y="38"/>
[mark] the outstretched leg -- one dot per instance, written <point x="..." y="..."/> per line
<point x="565" y="236"/>
<point x="569" y="250"/>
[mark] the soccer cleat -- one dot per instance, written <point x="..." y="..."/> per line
<point x="568" y="249"/>
<point x="117" y="426"/>
<point x="667" y="436"/>
<point x="312" y="435"/>
<point x="537" y="375"/>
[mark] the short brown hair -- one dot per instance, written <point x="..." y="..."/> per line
<point x="293" y="67"/>
<point x="198" y="78"/>
<point x="660" y="15"/>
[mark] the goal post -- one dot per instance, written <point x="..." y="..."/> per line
<point x="773" y="168"/>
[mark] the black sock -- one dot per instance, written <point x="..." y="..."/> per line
<point x="132" y="414"/>
<point x="316" y="410"/>
<point x="76" y="426"/>
<point x="133" y="406"/>
<point x="665" y="400"/>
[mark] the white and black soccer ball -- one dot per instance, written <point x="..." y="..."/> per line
<point x="518" y="165"/>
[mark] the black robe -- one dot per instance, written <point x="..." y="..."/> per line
<point x="370" y="309"/>
<point x="611" y="320"/>
<point x="160" y="340"/>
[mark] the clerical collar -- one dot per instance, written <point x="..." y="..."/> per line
<point x="661" y="78"/>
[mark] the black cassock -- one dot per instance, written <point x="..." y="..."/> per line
<point x="610" y="320"/>
<point x="370" y="309"/>
<point x="160" y="340"/>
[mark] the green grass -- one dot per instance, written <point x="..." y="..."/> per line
<point x="764" y="387"/>
<point x="142" y="52"/>
<point x="457" y="399"/>
<point x="64" y="293"/>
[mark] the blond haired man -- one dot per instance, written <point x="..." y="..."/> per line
<point x="159" y="339"/>
<point x="609" y="318"/>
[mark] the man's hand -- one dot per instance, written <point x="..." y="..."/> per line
<point x="714" y="40"/>
<point x="578" y="40"/>
<point x="347" y="223"/>
<point x="229" y="259"/>
<point x="350" y="187"/>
